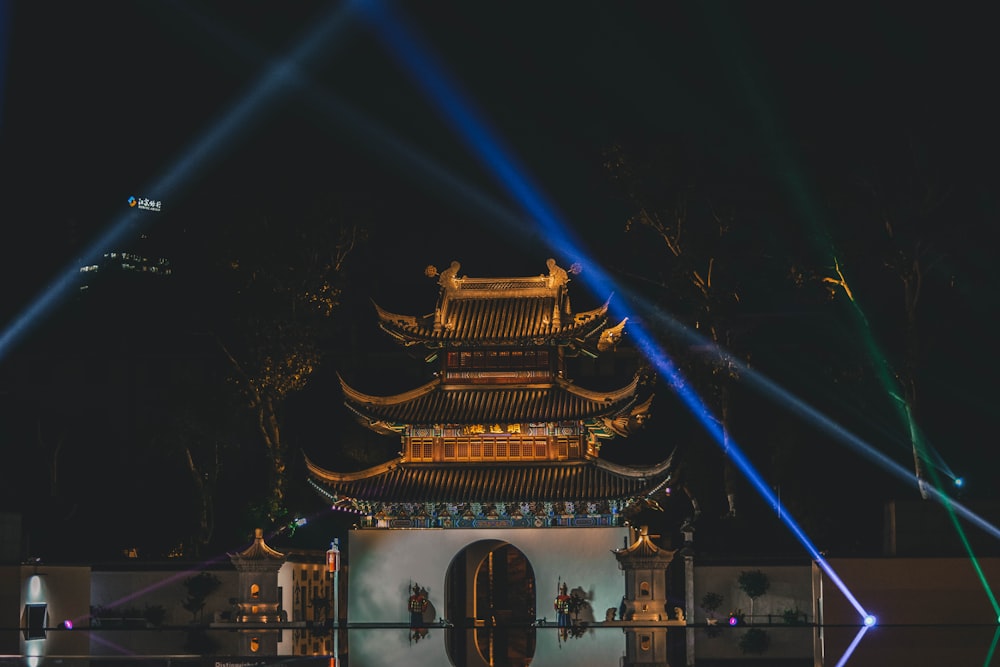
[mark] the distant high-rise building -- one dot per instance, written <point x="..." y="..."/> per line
<point x="125" y="262"/>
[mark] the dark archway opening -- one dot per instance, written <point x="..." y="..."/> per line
<point x="490" y="597"/>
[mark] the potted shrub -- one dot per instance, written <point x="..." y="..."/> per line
<point x="710" y="602"/>
<point x="754" y="583"/>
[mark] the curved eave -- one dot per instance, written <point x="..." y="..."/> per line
<point x="438" y="403"/>
<point x="361" y="398"/>
<point x="654" y="471"/>
<point x="576" y="481"/>
<point x="624" y="422"/>
<point x="330" y="476"/>
<point x="259" y="551"/>
<point x="589" y="318"/>
<point x="645" y="547"/>
<point x="607" y="397"/>
<point x="413" y="330"/>
<point x="401" y="327"/>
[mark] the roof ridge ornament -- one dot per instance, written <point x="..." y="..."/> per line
<point x="448" y="277"/>
<point x="448" y="280"/>
<point x="557" y="274"/>
<point x="611" y="336"/>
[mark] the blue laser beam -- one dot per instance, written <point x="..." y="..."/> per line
<point x="362" y="130"/>
<point x="853" y="645"/>
<point x="731" y="448"/>
<point x="460" y="112"/>
<point x="797" y="406"/>
<point x="413" y="57"/>
<point x="231" y="124"/>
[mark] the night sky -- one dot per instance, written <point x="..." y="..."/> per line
<point x="809" y="126"/>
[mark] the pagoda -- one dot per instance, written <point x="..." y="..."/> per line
<point x="499" y="492"/>
<point x="259" y="600"/>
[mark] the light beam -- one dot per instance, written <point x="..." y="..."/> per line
<point x="853" y="645"/>
<point x="192" y="162"/>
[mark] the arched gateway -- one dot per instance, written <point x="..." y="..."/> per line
<point x="490" y="592"/>
<point x="500" y="465"/>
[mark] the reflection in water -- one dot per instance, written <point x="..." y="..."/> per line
<point x="502" y="645"/>
<point x="505" y="646"/>
<point x="882" y="646"/>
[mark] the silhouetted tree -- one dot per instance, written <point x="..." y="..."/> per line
<point x="886" y="245"/>
<point x="693" y="261"/>
<point x="195" y="424"/>
<point x="285" y="281"/>
<point x="199" y="588"/>
<point x="754" y="583"/>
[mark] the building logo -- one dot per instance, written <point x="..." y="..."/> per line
<point x="144" y="204"/>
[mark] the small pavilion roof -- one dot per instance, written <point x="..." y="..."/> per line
<point x="643" y="553"/>
<point x="439" y="403"/>
<point x="494" y="321"/>
<point x="578" y="481"/>
<point x="643" y="546"/>
<point x="518" y="311"/>
<point x="258" y="550"/>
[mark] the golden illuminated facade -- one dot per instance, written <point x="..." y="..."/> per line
<point x="500" y="437"/>
<point x="311" y="602"/>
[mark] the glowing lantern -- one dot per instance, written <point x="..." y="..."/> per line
<point x="333" y="557"/>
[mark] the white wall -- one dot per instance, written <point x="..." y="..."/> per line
<point x="385" y="563"/>
<point x="790" y="588"/>
<point x="139" y="588"/>
<point x="378" y="647"/>
<point x="65" y="590"/>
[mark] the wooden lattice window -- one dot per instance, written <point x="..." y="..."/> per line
<point x="421" y="449"/>
<point x="498" y="359"/>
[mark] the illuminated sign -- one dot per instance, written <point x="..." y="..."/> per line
<point x="144" y="203"/>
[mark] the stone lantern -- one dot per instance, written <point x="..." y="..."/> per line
<point x="258" y="601"/>
<point x="645" y="566"/>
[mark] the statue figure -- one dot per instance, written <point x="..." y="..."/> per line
<point x="557" y="275"/>
<point x="445" y="278"/>
<point x="449" y="275"/>
<point x="416" y="605"/>
<point x="562" y="606"/>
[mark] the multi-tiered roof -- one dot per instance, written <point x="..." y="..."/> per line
<point x="499" y="437"/>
